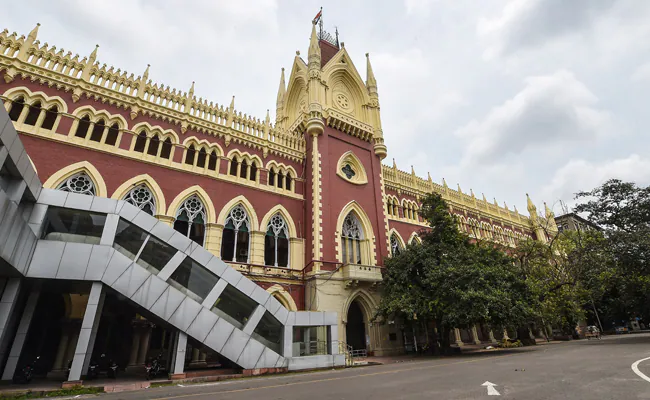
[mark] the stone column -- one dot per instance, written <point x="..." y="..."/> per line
<point x="60" y="353"/>
<point x="7" y="306"/>
<point x="459" y="341"/>
<point x="492" y="339"/>
<point x="475" y="335"/>
<point x="87" y="334"/>
<point x="144" y="343"/>
<point x="21" y="334"/>
<point x="195" y="356"/>
<point x="202" y="357"/>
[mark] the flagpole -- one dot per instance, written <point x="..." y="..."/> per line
<point x="320" y="23"/>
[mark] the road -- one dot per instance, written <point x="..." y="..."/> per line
<point x="572" y="370"/>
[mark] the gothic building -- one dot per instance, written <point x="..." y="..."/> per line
<point x="302" y="205"/>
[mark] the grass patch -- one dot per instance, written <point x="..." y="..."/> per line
<point x="73" y="391"/>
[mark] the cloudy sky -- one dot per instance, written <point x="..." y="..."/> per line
<point x="502" y="96"/>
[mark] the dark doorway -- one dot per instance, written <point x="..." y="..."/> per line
<point x="355" y="330"/>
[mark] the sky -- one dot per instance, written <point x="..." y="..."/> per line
<point x="505" y="97"/>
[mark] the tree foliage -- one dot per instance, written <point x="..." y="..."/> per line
<point x="453" y="282"/>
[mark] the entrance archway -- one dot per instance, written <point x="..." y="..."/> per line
<point x="355" y="329"/>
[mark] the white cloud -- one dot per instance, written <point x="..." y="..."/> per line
<point x="642" y="73"/>
<point x="582" y="175"/>
<point x="549" y="111"/>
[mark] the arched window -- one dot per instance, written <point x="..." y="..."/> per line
<point x="82" y="127"/>
<point x="272" y="177"/>
<point x="351" y="238"/>
<point x="395" y="245"/>
<point x="289" y="181"/>
<point x="233" y="166"/>
<point x="50" y="117"/>
<point x="140" y="142"/>
<point x="111" y="136"/>
<point x="190" y="219"/>
<point x="154" y="143"/>
<point x="280" y="180"/>
<point x="78" y="183"/>
<point x="253" y="176"/>
<point x="395" y="208"/>
<point x="17" y="108"/>
<point x="200" y="161"/>
<point x="276" y="242"/>
<point x="243" y="172"/>
<point x="166" y="150"/>
<point x="34" y="112"/>
<point x="189" y="155"/>
<point x="235" y="242"/>
<point x="98" y="131"/>
<point x="212" y="161"/>
<point x="141" y="197"/>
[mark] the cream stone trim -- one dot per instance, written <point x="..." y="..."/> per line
<point x="96" y="115"/>
<point x="203" y="195"/>
<point x="360" y="177"/>
<point x="123" y="189"/>
<point x="283" y="297"/>
<point x="296" y="245"/>
<point x="163" y="133"/>
<point x="385" y="213"/>
<point x="368" y="305"/>
<point x="368" y="249"/>
<point x="281" y="167"/>
<point x="415" y="238"/>
<point x="83" y="166"/>
<point x="250" y="159"/>
<point x="29" y="96"/>
<point x="293" y="232"/>
<point x="252" y="215"/>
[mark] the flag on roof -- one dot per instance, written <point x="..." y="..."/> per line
<point x="318" y="16"/>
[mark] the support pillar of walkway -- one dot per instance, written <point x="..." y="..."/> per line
<point x="178" y="360"/>
<point x="21" y="334"/>
<point x="459" y="340"/>
<point x="87" y="334"/>
<point x="491" y="335"/>
<point x="143" y="348"/>
<point x="7" y="307"/>
<point x="475" y="335"/>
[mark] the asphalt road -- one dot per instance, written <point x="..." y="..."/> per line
<point x="572" y="370"/>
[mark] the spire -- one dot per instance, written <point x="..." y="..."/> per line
<point x="496" y="203"/>
<point x="32" y="35"/>
<point x="484" y="199"/>
<point x="429" y="177"/>
<point x="93" y="55"/>
<point x="531" y="206"/>
<point x="394" y="164"/>
<point x="412" y="170"/>
<point x="459" y="191"/>
<point x="232" y="103"/>
<point x="444" y="183"/>
<point x="145" y="76"/>
<point x="471" y="192"/>
<point x="314" y="49"/>
<point x="267" y="121"/>
<point x="281" y="91"/>
<point x="371" y="82"/>
<point x="549" y="212"/>
<point x="191" y="92"/>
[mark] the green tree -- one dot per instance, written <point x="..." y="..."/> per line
<point x="453" y="282"/>
<point x="622" y="209"/>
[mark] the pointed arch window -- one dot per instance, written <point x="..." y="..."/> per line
<point x="78" y="183"/>
<point x="82" y="127"/>
<point x="289" y="181"/>
<point x="50" y="118"/>
<point x="243" y="173"/>
<point x="280" y="180"/>
<point x="212" y="161"/>
<point x="190" y="219"/>
<point x="111" y="136"/>
<point x="276" y="242"/>
<point x="233" y="166"/>
<point x="33" y="114"/>
<point x="395" y="245"/>
<point x="253" y="175"/>
<point x="200" y="161"/>
<point x="140" y="142"/>
<point x="272" y="177"/>
<point x="351" y="239"/>
<point x="141" y="197"/>
<point x="98" y="131"/>
<point x="166" y="150"/>
<point x="235" y="244"/>
<point x="190" y="155"/>
<point x="17" y="108"/>
<point x="154" y="144"/>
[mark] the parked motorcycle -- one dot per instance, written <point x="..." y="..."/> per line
<point x="111" y="372"/>
<point x="153" y="368"/>
<point x="26" y="372"/>
<point x="93" y="370"/>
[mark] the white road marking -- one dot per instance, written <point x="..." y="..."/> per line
<point x="635" y="368"/>
<point x="491" y="391"/>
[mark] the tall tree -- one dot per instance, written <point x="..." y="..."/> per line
<point x="453" y="282"/>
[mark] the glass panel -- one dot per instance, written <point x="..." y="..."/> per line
<point x="193" y="279"/>
<point x="242" y="245"/>
<point x="269" y="332"/>
<point x="155" y="255"/>
<point x="269" y="249"/>
<point x="283" y="252"/>
<point x="68" y="225"/>
<point x="311" y="341"/>
<point x="129" y="239"/>
<point x="228" y="244"/>
<point x="234" y="306"/>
